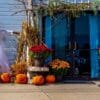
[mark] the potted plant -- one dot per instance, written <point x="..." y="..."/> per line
<point x="59" y="68"/>
<point x="39" y="53"/>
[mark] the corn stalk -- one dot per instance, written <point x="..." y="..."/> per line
<point x="29" y="35"/>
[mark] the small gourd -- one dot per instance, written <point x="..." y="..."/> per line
<point x="38" y="80"/>
<point x="5" y="77"/>
<point x="50" y="79"/>
<point x="21" y="79"/>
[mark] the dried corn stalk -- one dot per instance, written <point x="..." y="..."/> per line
<point x="28" y="37"/>
<point x="19" y="67"/>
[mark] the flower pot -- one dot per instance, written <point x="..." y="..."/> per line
<point x="39" y="62"/>
<point x="59" y="78"/>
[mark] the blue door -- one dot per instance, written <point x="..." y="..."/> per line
<point x="56" y="35"/>
<point x="76" y="42"/>
<point x="94" y="23"/>
<point x="69" y="40"/>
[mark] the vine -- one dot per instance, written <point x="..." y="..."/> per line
<point x="71" y="9"/>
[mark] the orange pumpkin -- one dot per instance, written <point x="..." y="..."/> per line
<point x="50" y="79"/>
<point x="21" y="79"/>
<point x="38" y="80"/>
<point x="5" y="77"/>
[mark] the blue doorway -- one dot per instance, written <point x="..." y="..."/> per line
<point x="74" y="40"/>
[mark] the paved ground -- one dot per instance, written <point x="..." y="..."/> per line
<point x="68" y="91"/>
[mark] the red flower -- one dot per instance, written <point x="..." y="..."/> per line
<point x="40" y="48"/>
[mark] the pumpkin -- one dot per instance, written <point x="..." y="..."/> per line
<point x="5" y="77"/>
<point x="38" y="80"/>
<point x="21" y="79"/>
<point x="50" y="79"/>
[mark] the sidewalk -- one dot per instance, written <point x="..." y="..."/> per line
<point x="50" y="92"/>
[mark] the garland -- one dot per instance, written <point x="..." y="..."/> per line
<point x="71" y="9"/>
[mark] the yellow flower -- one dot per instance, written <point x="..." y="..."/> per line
<point x="57" y="63"/>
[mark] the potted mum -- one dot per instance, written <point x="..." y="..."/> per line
<point x="59" y="68"/>
<point x="39" y="53"/>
